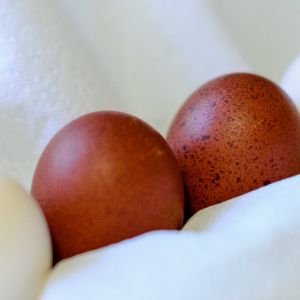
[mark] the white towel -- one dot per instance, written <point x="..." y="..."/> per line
<point x="61" y="59"/>
<point x="246" y="248"/>
<point x="58" y="62"/>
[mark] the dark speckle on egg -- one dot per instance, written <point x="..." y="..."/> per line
<point x="244" y="133"/>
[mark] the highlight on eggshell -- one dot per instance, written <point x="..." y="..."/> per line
<point x="106" y="177"/>
<point x="229" y="257"/>
<point x="25" y="252"/>
<point x="234" y="134"/>
<point x="290" y="81"/>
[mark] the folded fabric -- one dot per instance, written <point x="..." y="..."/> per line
<point x="141" y="57"/>
<point x="47" y="78"/>
<point x="156" y="53"/>
<point x="246" y="248"/>
<point x="61" y="59"/>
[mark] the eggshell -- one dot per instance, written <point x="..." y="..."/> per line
<point x="106" y="177"/>
<point x="235" y="134"/>
<point x="25" y="252"/>
<point x="254" y="241"/>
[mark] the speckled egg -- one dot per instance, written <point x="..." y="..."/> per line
<point x="235" y="134"/>
<point x="106" y="177"/>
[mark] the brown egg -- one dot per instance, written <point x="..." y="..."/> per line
<point x="106" y="177"/>
<point x="235" y="134"/>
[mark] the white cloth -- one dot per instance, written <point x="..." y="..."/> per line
<point x="58" y="62"/>
<point x="60" y="59"/>
<point x="246" y="248"/>
<point x="290" y="81"/>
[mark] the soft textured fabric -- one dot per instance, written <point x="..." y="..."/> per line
<point x="246" y="248"/>
<point x="290" y="81"/>
<point x="60" y="59"/>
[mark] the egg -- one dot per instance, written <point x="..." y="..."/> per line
<point x="235" y="134"/>
<point x="106" y="177"/>
<point x="25" y="253"/>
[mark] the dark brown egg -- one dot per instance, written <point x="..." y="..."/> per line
<point x="106" y="177"/>
<point x="235" y="134"/>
